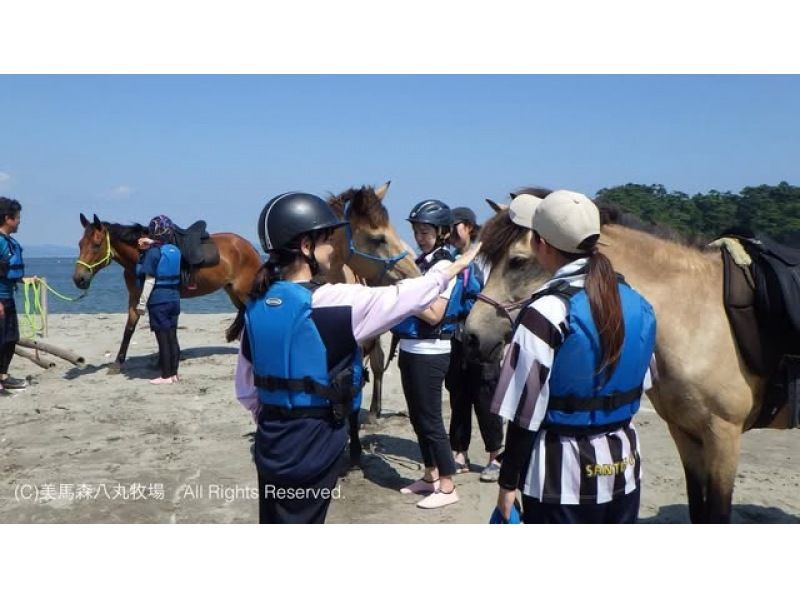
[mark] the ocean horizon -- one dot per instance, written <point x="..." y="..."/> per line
<point x="107" y="293"/>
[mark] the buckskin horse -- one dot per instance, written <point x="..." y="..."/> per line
<point x="703" y="391"/>
<point x="104" y="242"/>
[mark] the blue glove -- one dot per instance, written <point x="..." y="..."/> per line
<point x="497" y="517"/>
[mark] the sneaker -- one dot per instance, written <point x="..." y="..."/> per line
<point x="438" y="499"/>
<point x="14" y="383"/>
<point x="421" y="487"/>
<point x="161" y="381"/>
<point x="491" y="473"/>
<point x="462" y="467"/>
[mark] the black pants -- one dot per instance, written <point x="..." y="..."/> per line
<point x="168" y="351"/>
<point x="471" y="386"/>
<point x="624" y="509"/>
<point x="422" y="377"/>
<point x="283" y="504"/>
<point x="9" y="334"/>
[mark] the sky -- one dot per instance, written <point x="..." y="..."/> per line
<point x="217" y="148"/>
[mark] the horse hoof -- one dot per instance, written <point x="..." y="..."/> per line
<point x="372" y="418"/>
<point x="113" y="369"/>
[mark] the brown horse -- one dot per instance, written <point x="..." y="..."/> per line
<point x="703" y="389"/>
<point x="103" y="242"/>
<point x="369" y="251"/>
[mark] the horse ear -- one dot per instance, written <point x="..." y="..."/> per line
<point x="84" y="221"/>
<point x="513" y="196"/>
<point x="97" y="222"/>
<point x="497" y="207"/>
<point x="380" y="192"/>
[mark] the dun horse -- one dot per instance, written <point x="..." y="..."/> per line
<point x="103" y="242"/>
<point x="703" y="390"/>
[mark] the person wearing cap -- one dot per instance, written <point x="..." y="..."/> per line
<point x="158" y="274"/>
<point x="467" y="386"/>
<point x="424" y="356"/>
<point x="572" y="379"/>
<point x="12" y="270"/>
<point x="299" y="366"/>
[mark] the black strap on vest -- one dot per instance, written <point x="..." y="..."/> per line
<point x="571" y="404"/>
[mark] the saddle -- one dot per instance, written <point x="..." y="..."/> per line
<point x="198" y="249"/>
<point x="761" y="294"/>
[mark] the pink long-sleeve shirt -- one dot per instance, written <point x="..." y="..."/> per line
<point x="374" y="311"/>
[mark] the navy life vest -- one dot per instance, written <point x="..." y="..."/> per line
<point x="12" y="263"/>
<point x="290" y="360"/>
<point x="468" y="284"/>
<point x="581" y="398"/>
<point x="168" y="271"/>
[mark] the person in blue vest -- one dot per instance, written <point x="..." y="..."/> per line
<point x="581" y="356"/>
<point x="424" y="357"/>
<point x="12" y="269"/>
<point x="466" y="383"/>
<point x="299" y="365"/>
<point x="158" y="271"/>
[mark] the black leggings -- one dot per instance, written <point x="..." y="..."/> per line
<point x="422" y="377"/>
<point x="168" y="351"/>
<point x="6" y="354"/>
<point x="471" y="385"/>
<point x="624" y="509"/>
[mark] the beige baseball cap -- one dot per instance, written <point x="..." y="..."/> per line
<point x="521" y="209"/>
<point x="565" y="219"/>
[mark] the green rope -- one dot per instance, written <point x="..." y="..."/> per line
<point x="30" y="316"/>
<point x="60" y="296"/>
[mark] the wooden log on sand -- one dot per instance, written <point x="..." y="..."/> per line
<point x="64" y="354"/>
<point x="42" y="363"/>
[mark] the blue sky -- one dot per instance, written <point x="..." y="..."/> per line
<point x="217" y="147"/>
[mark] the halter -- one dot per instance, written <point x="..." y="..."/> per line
<point x="387" y="262"/>
<point x="103" y="262"/>
<point x="504" y="308"/>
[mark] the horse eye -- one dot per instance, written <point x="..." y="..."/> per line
<point x="378" y="240"/>
<point x="97" y="245"/>
<point x="517" y="262"/>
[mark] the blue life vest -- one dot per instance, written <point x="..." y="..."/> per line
<point x="12" y="257"/>
<point x="290" y="359"/>
<point x="168" y="272"/>
<point x="462" y="298"/>
<point x="581" y="398"/>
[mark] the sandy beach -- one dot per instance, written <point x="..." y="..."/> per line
<point x="86" y="446"/>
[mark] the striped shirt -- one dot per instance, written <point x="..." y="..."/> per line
<point x="557" y="468"/>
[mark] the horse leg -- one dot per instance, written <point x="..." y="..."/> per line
<point x="130" y="326"/>
<point x="355" y="441"/>
<point x="693" y="460"/>
<point x="376" y="358"/>
<point x="721" y="443"/>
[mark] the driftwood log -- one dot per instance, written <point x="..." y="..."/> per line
<point x="64" y="354"/>
<point x="43" y="363"/>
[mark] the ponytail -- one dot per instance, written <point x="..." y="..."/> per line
<point x="606" y="306"/>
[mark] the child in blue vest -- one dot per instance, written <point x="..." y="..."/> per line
<point x="12" y="269"/>
<point x="159" y="270"/>
<point x="572" y="379"/>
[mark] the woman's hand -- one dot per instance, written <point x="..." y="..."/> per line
<point x="463" y="261"/>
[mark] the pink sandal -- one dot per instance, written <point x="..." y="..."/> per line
<point x="438" y="499"/>
<point x="421" y="487"/>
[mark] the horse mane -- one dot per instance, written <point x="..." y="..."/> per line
<point x="611" y="213"/>
<point x="363" y="202"/>
<point x="498" y="234"/>
<point x="127" y="233"/>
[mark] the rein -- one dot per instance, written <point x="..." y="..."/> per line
<point x="103" y="262"/>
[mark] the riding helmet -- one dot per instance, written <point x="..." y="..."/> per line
<point x="433" y="212"/>
<point x="289" y="215"/>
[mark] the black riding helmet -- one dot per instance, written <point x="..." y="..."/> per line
<point x="289" y="215"/>
<point x="433" y="212"/>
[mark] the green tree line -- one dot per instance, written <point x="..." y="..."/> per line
<point x="770" y="209"/>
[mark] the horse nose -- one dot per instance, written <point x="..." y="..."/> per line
<point x="472" y="345"/>
<point x="82" y="281"/>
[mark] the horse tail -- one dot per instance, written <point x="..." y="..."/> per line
<point x="261" y="282"/>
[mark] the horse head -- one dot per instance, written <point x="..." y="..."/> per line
<point x="94" y="251"/>
<point x="515" y="275"/>
<point x="370" y="245"/>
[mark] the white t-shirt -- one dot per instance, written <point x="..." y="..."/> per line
<point x="431" y="346"/>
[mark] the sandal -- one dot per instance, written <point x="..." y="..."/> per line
<point x="438" y="499"/>
<point x="462" y="467"/>
<point x="422" y="486"/>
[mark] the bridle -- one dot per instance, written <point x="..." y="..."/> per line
<point x="386" y="263"/>
<point x="504" y="308"/>
<point x="103" y="262"/>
